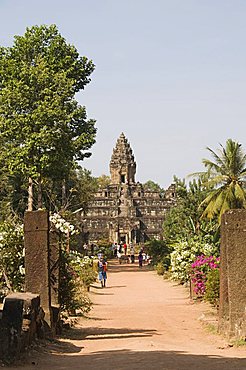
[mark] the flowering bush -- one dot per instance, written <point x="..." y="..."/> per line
<point x="83" y="267"/>
<point x="184" y="254"/>
<point x="11" y="256"/>
<point x="199" y="271"/>
<point x="76" y="276"/>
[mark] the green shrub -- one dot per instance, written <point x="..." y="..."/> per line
<point x="160" y="268"/>
<point x="213" y="287"/>
<point x="159" y="252"/>
<point x="12" y="270"/>
<point x="76" y="276"/>
<point x="104" y="247"/>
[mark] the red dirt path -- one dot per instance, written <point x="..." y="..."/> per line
<point x="140" y="321"/>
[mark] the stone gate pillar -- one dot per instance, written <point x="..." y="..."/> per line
<point x="232" y="309"/>
<point x="37" y="258"/>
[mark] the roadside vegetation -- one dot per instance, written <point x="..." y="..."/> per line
<point x="191" y="231"/>
<point x="44" y="134"/>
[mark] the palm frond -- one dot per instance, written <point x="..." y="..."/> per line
<point x="216" y="181"/>
<point x="240" y="195"/>
<point x="210" y="201"/>
<point x="216" y="157"/>
<point x="197" y="174"/>
<point x="225" y="179"/>
<point x="225" y="206"/>
<point x="211" y="166"/>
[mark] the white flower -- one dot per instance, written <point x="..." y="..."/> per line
<point x="22" y="270"/>
<point x="61" y="224"/>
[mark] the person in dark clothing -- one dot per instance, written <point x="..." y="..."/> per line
<point x="140" y="259"/>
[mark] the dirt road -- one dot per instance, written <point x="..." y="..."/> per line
<point x="140" y="321"/>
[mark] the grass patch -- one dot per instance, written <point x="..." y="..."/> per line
<point x="239" y="342"/>
<point x="211" y="328"/>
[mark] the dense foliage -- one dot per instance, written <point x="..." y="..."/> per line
<point x="159" y="252"/>
<point x="43" y="129"/>
<point x="103" y="181"/>
<point x="185" y="233"/>
<point x="72" y="195"/>
<point x="183" y="222"/>
<point x="153" y="186"/>
<point x="212" y="292"/>
<point x="76" y="276"/>
<point x="11" y="256"/>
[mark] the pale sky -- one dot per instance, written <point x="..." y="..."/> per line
<point x="170" y="74"/>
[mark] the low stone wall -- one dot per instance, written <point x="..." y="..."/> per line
<point x="21" y="321"/>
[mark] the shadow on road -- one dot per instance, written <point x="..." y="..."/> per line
<point x="108" y="287"/>
<point x="106" y="333"/>
<point x="114" y="267"/>
<point x="102" y="292"/>
<point x="136" y="360"/>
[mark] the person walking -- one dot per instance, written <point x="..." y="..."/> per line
<point x="132" y="253"/>
<point x="115" y="250"/>
<point x="125" y="248"/>
<point x="140" y="259"/>
<point x="104" y="272"/>
<point x="100" y="271"/>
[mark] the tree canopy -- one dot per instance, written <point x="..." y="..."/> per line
<point x="183" y="222"/>
<point x="153" y="186"/>
<point x="43" y="129"/>
<point x="103" y="181"/>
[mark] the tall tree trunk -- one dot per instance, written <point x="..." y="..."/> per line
<point x="63" y="194"/>
<point x="7" y="280"/>
<point x="30" y="195"/>
<point x="40" y="203"/>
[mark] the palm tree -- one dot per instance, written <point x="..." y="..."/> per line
<point x="226" y="179"/>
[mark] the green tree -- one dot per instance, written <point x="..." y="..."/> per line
<point x="43" y="129"/>
<point x="81" y="189"/>
<point x="103" y="181"/>
<point x="153" y="186"/>
<point x="183" y="222"/>
<point x="159" y="252"/>
<point x="226" y="180"/>
<point x="72" y="194"/>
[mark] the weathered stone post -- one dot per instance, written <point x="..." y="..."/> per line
<point x="19" y="324"/>
<point x="232" y="311"/>
<point x="37" y="258"/>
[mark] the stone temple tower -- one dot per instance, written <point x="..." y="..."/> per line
<point x="122" y="164"/>
<point x="125" y="210"/>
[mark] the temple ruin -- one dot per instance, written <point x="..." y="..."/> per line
<point x="125" y="211"/>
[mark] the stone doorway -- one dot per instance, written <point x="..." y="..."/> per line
<point x="123" y="239"/>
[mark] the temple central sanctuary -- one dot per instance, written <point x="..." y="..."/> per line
<point x="125" y="211"/>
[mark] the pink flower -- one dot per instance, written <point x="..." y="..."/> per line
<point x="200" y="267"/>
